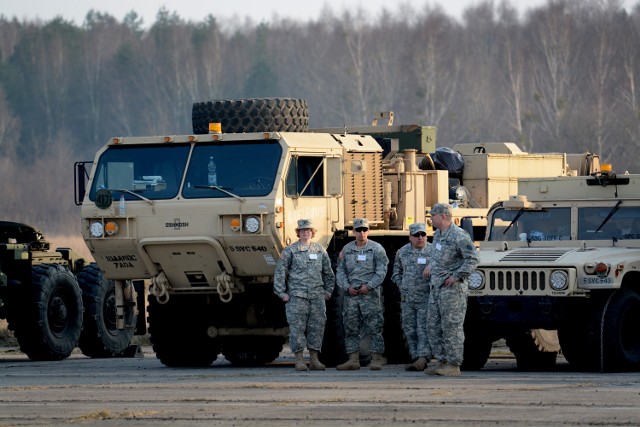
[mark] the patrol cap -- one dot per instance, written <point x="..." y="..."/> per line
<point x="441" y="208"/>
<point x="417" y="227"/>
<point x="360" y="223"/>
<point x="304" y="223"/>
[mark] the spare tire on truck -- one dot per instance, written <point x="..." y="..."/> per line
<point x="251" y="115"/>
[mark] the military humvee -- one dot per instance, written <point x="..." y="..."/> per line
<point x="563" y="255"/>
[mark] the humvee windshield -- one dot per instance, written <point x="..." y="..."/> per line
<point x="594" y="223"/>
<point x="243" y="168"/>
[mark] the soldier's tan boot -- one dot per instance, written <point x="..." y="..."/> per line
<point x="449" y="370"/>
<point x="300" y="365"/>
<point x="353" y="364"/>
<point x="418" y="365"/>
<point x="376" y="362"/>
<point x="315" y="364"/>
<point x="434" y="369"/>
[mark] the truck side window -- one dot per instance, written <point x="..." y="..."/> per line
<point x="305" y="176"/>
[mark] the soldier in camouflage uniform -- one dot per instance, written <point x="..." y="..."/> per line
<point x="304" y="280"/>
<point x="411" y="259"/>
<point x="361" y="270"/>
<point x="453" y="257"/>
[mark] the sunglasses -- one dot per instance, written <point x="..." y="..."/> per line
<point x="361" y="229"/>
<point x="419" y="234"/>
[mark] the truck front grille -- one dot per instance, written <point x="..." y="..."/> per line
<point x="524" y="255"/>
<point x="520" y="281"/>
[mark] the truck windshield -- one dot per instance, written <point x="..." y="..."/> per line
<point x="624" y="224"/>
<point x="544" y="225"/>
<point x="153" y="171"/>
<point x="240" y="168"/>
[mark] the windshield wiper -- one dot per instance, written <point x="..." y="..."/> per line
<point x="133" y="193"/>
<point x="613" y="211"/>
<point x="215" y="187"/>
<point x="515" y="218"/>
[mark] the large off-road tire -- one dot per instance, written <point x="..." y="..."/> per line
<point x="49" y="322"/>
<point x="178" y="332"/>
<point x="333" y="351"/>
<point x="250" y="350"/>
<point x="620" y="333"/>
<point x="478" y="340"/>
<point x="100" y="337"/>
<point x="251" y="115"/>
<point x="529" y="355"/>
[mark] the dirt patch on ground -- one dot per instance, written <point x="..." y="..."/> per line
<point x="6" y="336"/>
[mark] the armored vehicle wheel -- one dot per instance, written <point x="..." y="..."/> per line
<point x="529" y="356"/>
<point x="100" y="337"/>
<point x="251" y="115"/>
<point x="178" y="332"/>
<point x="252" y="351"/>
<point x="49" y="325"/>
<point x="620" y="334"/>
<point x="477" y="340"/>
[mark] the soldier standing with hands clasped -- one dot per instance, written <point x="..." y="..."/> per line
<point x="304" y="280"/>
<point x="410" y="262"/>
<point x="361" y="270"/>
<point x="453" y="258"/>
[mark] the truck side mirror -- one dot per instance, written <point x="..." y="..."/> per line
<point x="80" y="179"/>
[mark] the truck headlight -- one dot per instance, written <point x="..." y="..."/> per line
<point x="96" y="229"/>
<point x="559" y="280"/>
<point x="476" y="280"/>
<point x="252" y="224"/>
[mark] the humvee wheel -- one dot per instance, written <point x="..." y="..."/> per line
<point x="529" y="357"/>
<point x="252" y="351"/>
<point x="620" y="335"/>
<point x="178" y="332"/>
<point x="100" y="337"/>
<point x="477" y="340"/>
<point x="251" y="115"/>
<point x="50" y="325"/>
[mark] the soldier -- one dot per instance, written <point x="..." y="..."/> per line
<point x="304" y="280"/>
<point x="453" y="258"/>
<point x="410" y="262"/>
<point x="361" y="270"/>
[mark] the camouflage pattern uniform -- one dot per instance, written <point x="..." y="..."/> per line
<point x="305" y="274"/>
<point x="452" y="254"/>
<point x="414" y="290"/>
<point x="365" y="265"/>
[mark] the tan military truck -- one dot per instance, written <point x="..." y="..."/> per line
<point x="563" y="255"/>
<point x="206" y="215"/>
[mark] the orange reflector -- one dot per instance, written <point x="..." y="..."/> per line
<point x="605" y="167"/>
<point x="216" y="137"/>
<point x="115" y="140"/>
<point x="111" y="228"/>
<point x="235" y="224"/>
<point x="215" y="127"/>
<point x="279" y="224"/>
<point x="192" y="138"/>
<point x="167" y="139"/>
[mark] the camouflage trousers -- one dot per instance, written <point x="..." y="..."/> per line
<point x="445" y="317"/>
<point x="365" y="310"/>
<point x="306" y="318"/>
<point x="414" y="326"/>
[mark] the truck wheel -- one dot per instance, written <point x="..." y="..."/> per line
<point x="620" y="334"/>
<point x="251" y="115"/>
<point x="252" y="351"/>
<point x="333" y="352"/>
<point x="50" y="324"/>
<point x="529" y="357"/>
<point x="477" y="341"/>
<point x="178" y="332"/>
<point x="100" y="337"/>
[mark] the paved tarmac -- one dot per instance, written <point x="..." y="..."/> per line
<point x="143" y="392"/>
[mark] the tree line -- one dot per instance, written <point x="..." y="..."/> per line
<point x="563" y="77"/>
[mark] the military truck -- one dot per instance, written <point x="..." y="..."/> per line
<point x="563" y="255"/>
<point x="54" y="300"/>
<point x="206" y="215"/>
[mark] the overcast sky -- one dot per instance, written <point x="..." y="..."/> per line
<point x="196" y="10"/>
